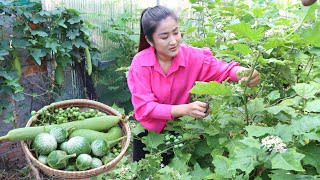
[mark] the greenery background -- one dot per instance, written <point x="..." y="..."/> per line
<point x="280" y="40"/>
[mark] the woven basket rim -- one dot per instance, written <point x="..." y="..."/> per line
<point x="91" y="172"/>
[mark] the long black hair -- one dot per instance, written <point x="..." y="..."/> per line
<point x="150" y="18"/>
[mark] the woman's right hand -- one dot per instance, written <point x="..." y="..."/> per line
<point x="195" y="109"/>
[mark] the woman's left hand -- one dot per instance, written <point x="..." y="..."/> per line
<point x="243" y="75"/>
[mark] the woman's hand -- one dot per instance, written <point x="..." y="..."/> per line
<point x="243" y="75"/>
<point x="195" y="109"/>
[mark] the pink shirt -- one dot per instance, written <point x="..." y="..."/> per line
<point x="154" y="92"/>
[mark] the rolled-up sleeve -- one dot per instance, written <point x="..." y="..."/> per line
<point x="151" y="114"/>
<point x="217" y="70"/>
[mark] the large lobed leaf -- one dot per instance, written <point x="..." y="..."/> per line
<point x="211" y="88"/>
<point x="289" y="160"/>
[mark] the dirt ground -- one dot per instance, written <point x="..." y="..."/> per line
<point x="15" y="174"/>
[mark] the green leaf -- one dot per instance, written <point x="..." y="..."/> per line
<point x="198" y="8"/>
<point x="287" y="175"/>
<point x="202" y="149"/>
<point x="211" y="88"/>
<point x="79" y="43"/>
<point x="37" y="18"/>
<point x="44" y="13"/>
<point x="20" y="43"/>
<point x="312" y="36"/>
<point x="289" y="160"/>
<point x="277" y="109"/>
<point x="199" y="173"/>
<point x="9" y="117"/>
<point x="310" y="136"/>
<point x="275" y="61"/>
<point x="258" y="131"/>
<point x="39" y="33"/>
<point x="153" y="139"/>
<point x="273" y="43"/>
<point x="285" y="132"/>
<point x="190" y="30"/>
<point x="274" y="95"/>
<point x="15" y="83"/>
<point x="251" y="142"/>
<point x="300" y="56"/>
<point x="312" y="155"/>
<point x="3" y="53"/>
<point x="62" y="24"/>
<point x="86" y="31"/>
<point x="179" y="162"/>
<point x="256" y="106"/>
<point x="243" y="49"/>
<point x="306" y="91"/>
<point x="67" y="45"/>
<point x="306" y="124"/>
<point x="73" y="33"/>
<point x="6" y="75"/>
<point x="292" y="101"/>
<point x="258" y="12"/>
<point x="18" y="97"/>
<point x="315" y="51"/>
<point x="222" y="167"/>
<point x="198" y="125"/>
<point x="313" y="106"/>
<point x="37" y="54"/>
<point x="245" y="159"/>
<point x="244" y="29"/>
<point x="52" y="44"/>
<point x="138" y="129"/>
<point x="74" y="19"/>
<point x="210" y="41"/>
<point x="27" y="14"/>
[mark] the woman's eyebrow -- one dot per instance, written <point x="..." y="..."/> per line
<point x="165" y="33"/>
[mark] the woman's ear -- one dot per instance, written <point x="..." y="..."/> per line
<point x="150" y="42"/>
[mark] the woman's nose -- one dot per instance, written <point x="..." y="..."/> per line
<point x="173" y="41"/>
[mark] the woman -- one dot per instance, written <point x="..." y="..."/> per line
<point x="165" y="69"/>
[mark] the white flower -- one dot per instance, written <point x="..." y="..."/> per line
<point x="178" y="175"/>
<point x="274" y="143"/>
<point x="271" y="32"/>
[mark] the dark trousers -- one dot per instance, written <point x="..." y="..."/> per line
<point x="139" y="153"/>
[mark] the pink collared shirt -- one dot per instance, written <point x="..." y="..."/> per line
<point x="154" y="92"/>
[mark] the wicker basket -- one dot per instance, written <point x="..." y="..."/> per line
<point x="82" y="103"/>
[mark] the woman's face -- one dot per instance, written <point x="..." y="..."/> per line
<point x="167" y="39"/>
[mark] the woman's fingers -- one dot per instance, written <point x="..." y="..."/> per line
<point x="254" y="80"/>
<point x="198" y="109"/>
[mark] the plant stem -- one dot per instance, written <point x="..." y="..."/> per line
<point x="116" y="140"/>
<point x="311" y="66"/>
<point x="244" y="96"/>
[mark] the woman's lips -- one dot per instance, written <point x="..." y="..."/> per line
<point x="173" y="48"/>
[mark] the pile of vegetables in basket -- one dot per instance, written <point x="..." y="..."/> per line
<point x="71" y="139"/>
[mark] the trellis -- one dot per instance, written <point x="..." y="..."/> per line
<point x="100" y="12"/>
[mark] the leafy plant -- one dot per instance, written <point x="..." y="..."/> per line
<point x="60" y="35"/>
<point x="111" y="82"/>
<point x="240" y="31"/>
<point x="266" y="132"/>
